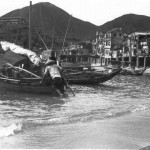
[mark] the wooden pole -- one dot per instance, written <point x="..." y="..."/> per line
<point x="137" y="58"/>
<point x="145" y="58"/>
<point x="123" y="53"/>
<point x="105" y="61"/>
<point x="137" y="61"/>
<point x="130" y="54"/>
<point x="117" y="57"/>
<point x="30" y="9"/>
<point x="100" y="60"/>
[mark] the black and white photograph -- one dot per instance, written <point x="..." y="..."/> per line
<point x="75" y="74"/>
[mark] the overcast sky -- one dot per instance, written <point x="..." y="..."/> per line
<point x="97" y="12"/>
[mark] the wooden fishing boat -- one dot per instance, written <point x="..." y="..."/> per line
<point x="78" y="70"/>
<point x="26" y="86"/>
<point x="89" y="77"/>
<point x="128" y="68"/>
<point x="131" y="71"/>
<point x="13" y="77"/>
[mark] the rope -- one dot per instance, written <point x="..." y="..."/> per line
<point x="42" y="41"/>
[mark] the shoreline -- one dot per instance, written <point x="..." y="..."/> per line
<point x="125" y="132"/>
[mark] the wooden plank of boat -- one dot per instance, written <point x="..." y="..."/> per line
<point x="17" y="85"/>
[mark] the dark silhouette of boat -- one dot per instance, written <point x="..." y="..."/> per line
<point x="90" y="77"/>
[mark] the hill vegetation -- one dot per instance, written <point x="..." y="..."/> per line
<point x="129" y="23"/>
<point x="51" y="21"/>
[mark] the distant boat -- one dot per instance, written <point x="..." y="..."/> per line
<point x="128" y="68"/>
<point x="131" y="71"/>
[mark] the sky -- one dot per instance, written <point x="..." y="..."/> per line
<point x="97" y="12"/>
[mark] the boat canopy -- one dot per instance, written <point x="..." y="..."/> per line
<point x="19" y="50"/>
<point x="13" y="58"/>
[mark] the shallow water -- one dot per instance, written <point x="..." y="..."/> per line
<point x="36" y="121"/>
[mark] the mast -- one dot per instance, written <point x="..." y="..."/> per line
<point x="66" y="33"/>
<point x="30" y="9"/>
<point x="52" y="38"/>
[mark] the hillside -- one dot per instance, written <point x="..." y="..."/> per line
<point x="129" y="23"/>
<point x="46" y="15"/>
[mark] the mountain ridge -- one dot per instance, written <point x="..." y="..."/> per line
<point x="129" y="23"/>
<point x="48" y="16"/>
<point x="54" y="17"/>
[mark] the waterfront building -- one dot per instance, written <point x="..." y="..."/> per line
<point x="139" y="46"/>
<point x="116" y="45"/>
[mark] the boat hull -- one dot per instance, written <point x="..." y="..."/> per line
<point x="132" y="72"/>
<point x="15" y="85"/>
<point x="88" y="77"/>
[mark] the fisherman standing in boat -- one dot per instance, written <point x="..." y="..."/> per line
<point x="55" y="72"/>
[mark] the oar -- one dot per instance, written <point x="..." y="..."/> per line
<point x="15" y="67"/>
<point x="68" y="85"/>
<point x="70" y="89"/>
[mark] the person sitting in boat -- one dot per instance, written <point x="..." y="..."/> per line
<point x="55" y="72"/>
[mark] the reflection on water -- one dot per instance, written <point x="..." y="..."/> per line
<point x="120" y="96"/>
